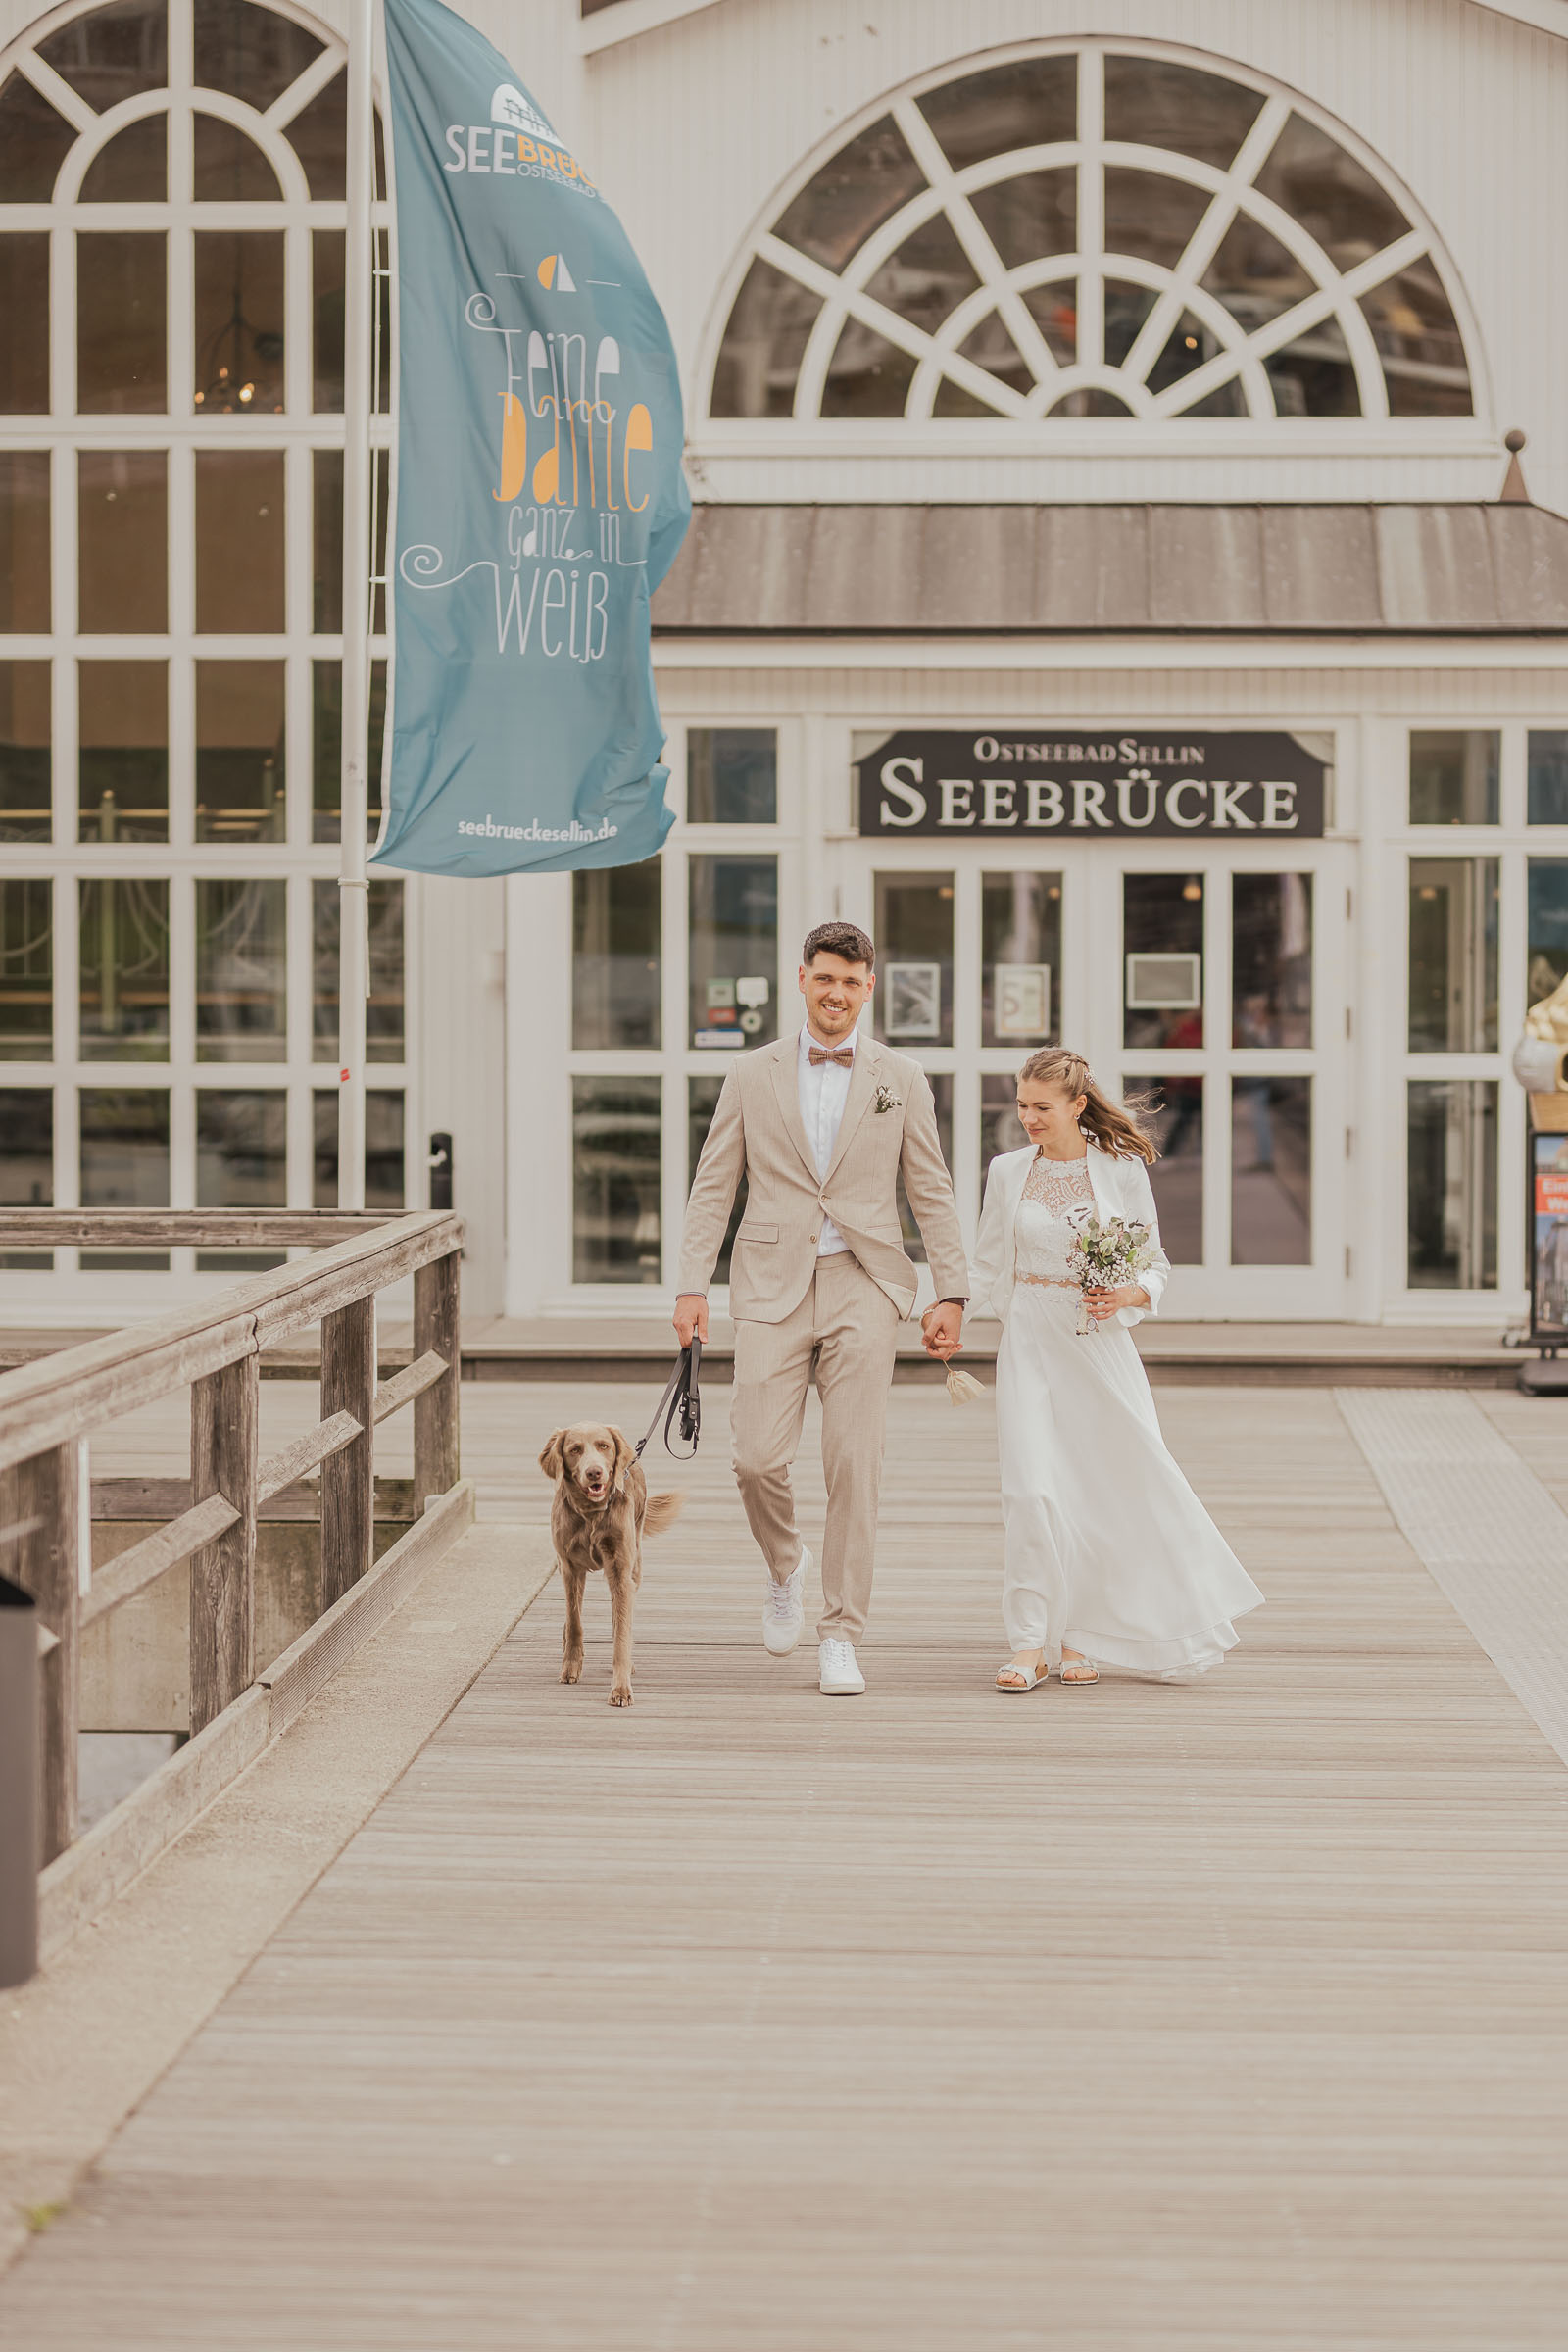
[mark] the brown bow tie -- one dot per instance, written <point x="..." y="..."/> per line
<point x="844" y="1056"/>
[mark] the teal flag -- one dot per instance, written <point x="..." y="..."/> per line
<point x="540" y="497"/>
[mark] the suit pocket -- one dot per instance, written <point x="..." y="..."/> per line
<point x="756" y="1233"/>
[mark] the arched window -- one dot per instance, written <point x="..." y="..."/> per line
<point x="1093" y="232"/>
<point x="173" y="215"/>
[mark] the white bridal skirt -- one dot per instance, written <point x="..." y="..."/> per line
<point x="1109" y="1550"/>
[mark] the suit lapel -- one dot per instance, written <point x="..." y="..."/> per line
<point x="786" y="1088"/>
<point x="863" y="1086"/>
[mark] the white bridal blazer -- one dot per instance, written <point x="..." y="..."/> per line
<point x="1121" y="1189"/>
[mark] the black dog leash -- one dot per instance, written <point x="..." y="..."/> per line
<point x="680" y="1398"/>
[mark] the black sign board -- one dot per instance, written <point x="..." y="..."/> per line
<point x="1087" y="783"/>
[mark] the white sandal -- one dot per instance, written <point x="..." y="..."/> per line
<point x="1071" y="1671"/>
<point x="1036" y="1674"/>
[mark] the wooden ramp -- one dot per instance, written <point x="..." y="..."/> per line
<point x="1221" y="2018"/>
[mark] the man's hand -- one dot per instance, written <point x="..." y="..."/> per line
<point x="942" y="1328"/>
<point x="691" y="1317"/>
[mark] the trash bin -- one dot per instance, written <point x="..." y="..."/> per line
<point x="19" y="1784"/>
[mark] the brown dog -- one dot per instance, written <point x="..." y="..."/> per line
<point x="602" y="1511"/>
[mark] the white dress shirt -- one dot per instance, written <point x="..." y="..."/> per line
<point x="823" y="1091"/>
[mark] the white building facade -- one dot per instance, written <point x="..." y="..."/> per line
<point x="1108" y="585"/>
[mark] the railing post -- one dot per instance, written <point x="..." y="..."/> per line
<point x="44" y="1561"/>
<point x="224" y="1417"/>
<point x="348" y="1479"/>
<point x="436" y="1331"/>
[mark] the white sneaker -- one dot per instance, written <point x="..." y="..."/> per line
<point x="784" y="1610"/>
<point x="837" y="1674"/>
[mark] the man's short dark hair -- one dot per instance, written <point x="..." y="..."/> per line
<point x="839" y="938"/>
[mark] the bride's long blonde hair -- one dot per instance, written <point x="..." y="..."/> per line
<point x="1114" y="1126"/>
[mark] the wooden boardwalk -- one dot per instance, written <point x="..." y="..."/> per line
<point x="1221" y="2018"/>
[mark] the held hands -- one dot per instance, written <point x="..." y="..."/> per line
<point x="691" y="1317"/>
<point x="942" y="1328"/>
<point x="1102" y="1304"/>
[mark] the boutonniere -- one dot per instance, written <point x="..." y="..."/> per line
<point x="887" y="1100"/>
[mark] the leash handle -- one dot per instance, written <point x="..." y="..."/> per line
<point x="680" y="1398"/>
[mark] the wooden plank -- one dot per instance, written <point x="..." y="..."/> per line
<point x="348" y="1503"/>
<point x="159" y="1498"/>
<point x="41" y="1498"/>
<point x="224" y="1430"/>
<point x="436" y="1331"/>
<point x="131" y="1572"/>
<point x="355" y="1269"/>
<point x="281" y="1470"/>
<point x="166" y="1228"/>
<point x="405" y="1386"/>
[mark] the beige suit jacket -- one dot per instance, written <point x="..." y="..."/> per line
<point x="757" y="1133"/>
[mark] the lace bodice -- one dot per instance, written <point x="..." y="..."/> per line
<point x="1043" y="1237"/>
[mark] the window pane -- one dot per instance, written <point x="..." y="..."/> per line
<point x="993" y="348"/>
<point x="25" y="307"/>
<point x="1151" y="104"/>
<point x="124" y="759"/>
<point x="701" y="1100"/>
<point x="1453" y="775"/>
<point x="229" y="168"/>
<point x="239" y="541"/>
<point x="1190" y="345"/>
<point x="859" y="188"/>
<point x="241" y="1163"/>
<point x="1549" y="776"/>
<point x="1020" y="959"/>
<point x="27" y="1162"/>
<point x="1174" y="1118"/>
<point x="1032" y="214"/>
<point x="240" y="785"/>
<point x="615" y="932"/>
<point x="120" y="322"/>
<point x="24" y="540"/>
<point x="112" y="53"/>
<point x="1151" y="216"/>
<point x="327" y="749"/>
<point x="1028" y="103"/>
<point x="764" y="340"/>
<point x="1271" y="960"/>
<point x="123" y="541"/>
<point x="384" y="1012"/>
<point x="733" y="904"/>
<point x="26" y="967"/>
<point x="1333" y="196"/>
<point x="914" y="932"/>
<point x="319" y="135"/>
<point x="133" y="168"/>
<point x="731" y="776"/>
<point x="326" y="330"/>
<point x="868" y="375"/>
<point x="927" y="277"/>
<point x="125" y="969"/>
<point x="1452" y="1177"/>
<point x="24" y="758"/>
<point x="1163" y="939"/>
<point x="1453" y="955"/>
<point x="1000" y="1130"/>
<point x="239" y="320"/>
<point x="616" y="1130"/>
<point x="1271" y="1171"/>
<point x="1418" y="342"/>
<point x="1315" y="376"/>
<point x="327" y="541"/>
<point x="241" y="964"/>
<point x="942" y="1090"/>
<point x="1254" y="275"/>
<point x="249" y="52"/>
<point x="34" y="141"/>
<point x="384" y="1151"/>
<point x="124" y="1162"/>
<point x="1548" y="926"/>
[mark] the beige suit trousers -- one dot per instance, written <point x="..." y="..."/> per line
<point x="847" y="1326"/>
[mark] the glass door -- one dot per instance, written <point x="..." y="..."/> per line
<point x="1210" y="983"/>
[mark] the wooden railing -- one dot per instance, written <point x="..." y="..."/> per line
<point x="50" y="1406"/>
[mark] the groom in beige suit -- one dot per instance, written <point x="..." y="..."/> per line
<point x="822" y="1125"/>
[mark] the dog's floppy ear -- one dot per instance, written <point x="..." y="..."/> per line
<point x="552" y="1461"/>
<point x="625" y="1454"/>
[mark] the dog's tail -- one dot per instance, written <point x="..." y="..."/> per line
<point x="663" y="1512"/>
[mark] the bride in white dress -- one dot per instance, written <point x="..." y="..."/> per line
<point x="1111" y="1557"/>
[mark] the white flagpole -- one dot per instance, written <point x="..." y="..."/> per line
<point x="353" y="933"/>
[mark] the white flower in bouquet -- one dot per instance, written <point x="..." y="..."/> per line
<point x="1105" y="1255"/>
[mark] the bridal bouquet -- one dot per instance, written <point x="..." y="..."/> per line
<point x="1104" y="1255"/>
